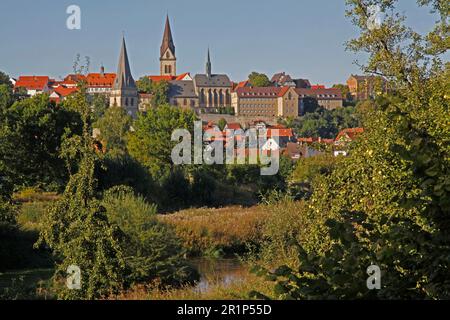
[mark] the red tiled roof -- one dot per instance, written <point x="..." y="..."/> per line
<point x="161" y="78"/>
<point x="351" y="133"/>
<point x="262" y="91"/>
<point x="64" y="92"/>
<point x="32" y="82"/>
<point x="182" y="76"/>
<point x="277" y="132"/>
<point x="313" y="140"/>
<point x="317" y="87"/>
<point x="100" y="80"/>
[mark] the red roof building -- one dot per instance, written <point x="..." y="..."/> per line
<point x="33" y="84"/>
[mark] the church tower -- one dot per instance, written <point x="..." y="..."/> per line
<point x="168" y="60"/>
<point x="124" y="92"/>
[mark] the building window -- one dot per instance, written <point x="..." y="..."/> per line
<point x="126" y="102"/>
<point x="132" y="101"/>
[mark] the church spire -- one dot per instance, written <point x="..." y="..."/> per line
<point x="124" y="79"/>
<point x="167" y="42"/>
<point x="208" y="65"/>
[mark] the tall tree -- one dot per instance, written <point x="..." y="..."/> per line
<point x="144" y="85"/>
<point x="160" y="92"/>
<point x="259" y="80"/>
<point x="77" y="228"/>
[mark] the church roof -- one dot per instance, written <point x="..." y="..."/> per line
<point x="167" y="42"/>
<point x="181" y="89"/>
<point x="216" y="80"/>
<point x="124" y="79"/>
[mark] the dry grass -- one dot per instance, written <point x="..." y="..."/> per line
<point x="238" y="290"/>
<point x="227" y="229"/>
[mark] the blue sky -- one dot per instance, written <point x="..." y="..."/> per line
<point x="305" y="38"/>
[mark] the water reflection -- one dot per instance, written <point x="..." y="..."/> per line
<point x="213" y="272"/>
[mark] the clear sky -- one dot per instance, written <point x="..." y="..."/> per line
<point x="305" y="38"/>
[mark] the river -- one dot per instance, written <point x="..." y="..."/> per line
<point x="223" y="272"/>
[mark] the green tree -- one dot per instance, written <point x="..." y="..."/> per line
<point x="151" y="144"/>
<point x="4" y="80"/>
<point x="77" y="228"/>
<point x="259" y="80"/>
<point x="114" y="126"/>
<point x="99" y="106"/>
<point x="387" y="204"/>
<point x="160" y="92"/>
<point x="222" y="124"/>
<point x="31" y="131"/>
<point x="145" y="85"/>
<point x="6" y="97"/>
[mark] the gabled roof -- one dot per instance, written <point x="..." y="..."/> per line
<point x="167" y="42"/>
<point x="181" y="89"/>
<point x="216" y="80"/>
<point x="350" y="134"/>
<point x="64" y="91"/>
<point x="124" y="79"/>
<point x="32" y="82"/>
<point x="184" y="76"/>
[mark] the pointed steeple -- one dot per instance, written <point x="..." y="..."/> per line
<point x="208" y="66"/>
<point x="124" y="79"/>
<point x="167" y="42"/>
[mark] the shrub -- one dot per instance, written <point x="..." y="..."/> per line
<point x="151" y="250"/>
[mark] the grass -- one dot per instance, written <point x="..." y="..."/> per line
<point x="238" y="290"/>
<point x="217" y="232"/>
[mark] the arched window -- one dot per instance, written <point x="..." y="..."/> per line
<point x="167" y="55"/>
<point x="126" y="102"/>
<point x="170" y="69"/>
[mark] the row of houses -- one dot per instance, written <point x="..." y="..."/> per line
<point x="278" y="138"/>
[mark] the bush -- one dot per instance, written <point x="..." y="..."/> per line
<point x="152" y="251"/>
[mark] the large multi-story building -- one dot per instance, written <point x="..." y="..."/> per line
<point x="329" y="99"/>
<point x="266" y="102"/>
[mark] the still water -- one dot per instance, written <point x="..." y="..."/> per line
<point x="223" y="272"/>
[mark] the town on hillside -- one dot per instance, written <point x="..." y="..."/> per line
<point x="256" y="102"/>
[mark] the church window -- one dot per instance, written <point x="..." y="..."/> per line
<point x="126" y="102"/>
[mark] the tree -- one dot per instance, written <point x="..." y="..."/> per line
<point x="259" y="80"/>
<point x="387" y="204"/>
<point x="31" y="132"/>
<point x="145" y="85"/>
<point x="77" y="227"/>
<point x="114" y="126"/>
<point x="99" y="106"/>
<point x="5" y="97"/>
<point x="222" y="124"/>
<point x="151" y="143"/>
<point x="4" y="80"/>
<point x="160" y="92"/>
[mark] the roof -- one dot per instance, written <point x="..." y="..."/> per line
<point x="350" y="133"/>
<point x="124" y="79"/>
<point x="181" y="89"/>
<point x="100" y="80"/>
<point x="167" y="42"/>
<point x="329" y="94"/>
<point x="32" y="82"/>
<point x="264" y="92"/>
<point x="183" y="75"/>
<point x="216" y="80"/>
<point x="277" y="132"/>
<point x="64" y="91"/>
<point x="313" y="140"/>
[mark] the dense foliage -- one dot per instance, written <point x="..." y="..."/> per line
<point x="387" y="203"/>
